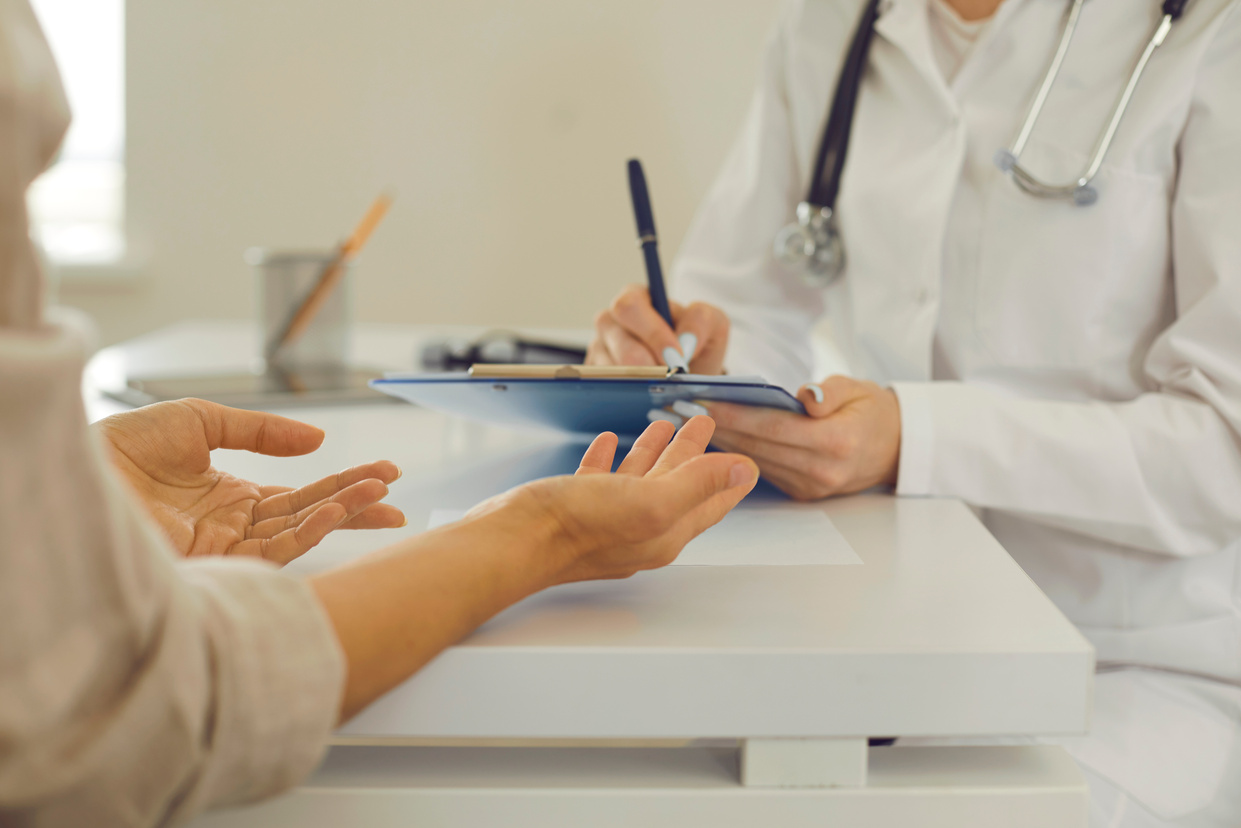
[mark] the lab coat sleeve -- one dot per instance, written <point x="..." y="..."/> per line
<point x="1161" y="472"/>
<point x="136" y="688"/>
<point x="726" y="259"/>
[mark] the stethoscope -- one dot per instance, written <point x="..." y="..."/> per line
<point x="812" y="243"/>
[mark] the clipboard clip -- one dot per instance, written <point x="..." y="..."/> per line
<point x="570" y="372"/>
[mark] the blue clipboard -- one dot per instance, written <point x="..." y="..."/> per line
<point x="568" y="399"/>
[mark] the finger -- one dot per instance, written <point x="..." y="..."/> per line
<point x="621" y="346"/>
<point x="297" y="541"/>
<point x="798" y="473"/>
<point x="829" y="396"/>
<point x="793" y="482"/>
<point x="377" y="516"/>
<point x="599" y="455"/>
<point x="257" y="431"/>
<point x="767" y="423"/>
<point x="354" y="498"/>
<point x="691" y="441"/>
<point x="634" y="312"/>
<point x="292" y="501"/>
<point x="796" y="458"/>
<point x="708" y="326"/>
<point x="647" y="448"/>
<point x="597" y="351"/>
<point x="706" y="515"/>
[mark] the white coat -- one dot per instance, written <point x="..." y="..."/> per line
<point x="1072" y="372"/>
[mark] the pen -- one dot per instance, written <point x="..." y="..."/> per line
<point x="650" y="251"/>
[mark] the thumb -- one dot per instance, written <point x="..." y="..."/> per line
<point x="725" y="478"/>
<point x="829" y="396"/>
<point x="257" y="431"/>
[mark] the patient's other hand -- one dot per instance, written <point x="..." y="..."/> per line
<point x="163" y="452"/>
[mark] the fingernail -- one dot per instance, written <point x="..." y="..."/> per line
<point x="689" y="344"/>
<point x="815" y="391"/>
<point x="689" y="409"/>
<point x="673" y="359"/>
<point x="740" y="475"/>
<point x="404" y="522"/>
<point x="667" y="416"/>
<point x="400" y="472"/>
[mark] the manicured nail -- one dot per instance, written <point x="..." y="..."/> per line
<point x="673" y="359"/>
<point x="740" y="475"/>
<point x="689" y="409"/>
<point x="689" y="344"/>
<point x="815" y="391"/>
<point x="667" y="416"/>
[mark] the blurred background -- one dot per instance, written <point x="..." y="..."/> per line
<point x="205" y="127"/>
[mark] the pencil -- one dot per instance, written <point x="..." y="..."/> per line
<point x="331" y="275"/>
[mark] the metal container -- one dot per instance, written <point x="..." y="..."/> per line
<point x="283" y="281"/>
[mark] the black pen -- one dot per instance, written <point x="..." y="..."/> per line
<point x="645" y="218"/>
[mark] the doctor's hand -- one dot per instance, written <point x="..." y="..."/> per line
<point x="163" y="452"/>
<point x="630" y="332"/>
<point x="606" y="525"/>
<point x="850" y="440"/>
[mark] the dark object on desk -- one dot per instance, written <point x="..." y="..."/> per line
<point x="277" y="389"/>
<point x="497" y="347"/>
<point x="649" y="241"/>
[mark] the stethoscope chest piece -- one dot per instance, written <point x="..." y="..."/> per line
<point x="812" y="245"/>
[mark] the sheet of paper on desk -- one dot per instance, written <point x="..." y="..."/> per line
<point x="766" y="536"/>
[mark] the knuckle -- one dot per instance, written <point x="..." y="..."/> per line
<point x="627" y="302"/>
<point x="825" y="479"/>
<point x="597" y="353"/>
<point x="661" y="514"/>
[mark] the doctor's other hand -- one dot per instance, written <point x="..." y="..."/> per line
<point x="631" y="332"/>
<point x="163" y="452"/>
<point x="613" y="525"/>
<point x="850" y="440"/>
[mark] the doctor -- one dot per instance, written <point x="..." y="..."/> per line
<point x="1066" y="361"/>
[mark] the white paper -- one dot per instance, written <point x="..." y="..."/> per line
<point x="783" y="535"/>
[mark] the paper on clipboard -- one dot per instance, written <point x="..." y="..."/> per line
<point x="769" y="535"/>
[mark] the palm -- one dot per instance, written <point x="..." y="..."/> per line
<point x="662" y="495"/>
<point x="164" y="453"/>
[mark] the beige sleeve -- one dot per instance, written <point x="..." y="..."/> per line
<point x="135" y="688"/>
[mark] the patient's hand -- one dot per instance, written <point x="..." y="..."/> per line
<point x="613" y="525"/>
<point x="163" y="452"/>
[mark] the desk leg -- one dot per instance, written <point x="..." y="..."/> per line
<point x="803" y="763"/>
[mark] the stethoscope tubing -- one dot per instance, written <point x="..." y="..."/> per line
<point x="835" y="143"/>
<point x="815" y="232"/>
<point x="1079" y="189"/>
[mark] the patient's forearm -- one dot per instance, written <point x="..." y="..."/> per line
<point x="397" y="609"/>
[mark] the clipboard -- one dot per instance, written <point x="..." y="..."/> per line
<point x="577" y="399"/>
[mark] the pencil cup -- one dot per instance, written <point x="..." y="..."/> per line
<point x="284" y="280"/>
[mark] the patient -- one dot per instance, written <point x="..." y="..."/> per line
<point x="154" y="659"/>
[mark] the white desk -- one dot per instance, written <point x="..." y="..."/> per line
<point x="938" y="633"/>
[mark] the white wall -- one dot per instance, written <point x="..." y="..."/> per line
<point x="502" y="126"/>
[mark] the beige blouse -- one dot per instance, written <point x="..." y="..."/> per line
<point x="136" y="688"/>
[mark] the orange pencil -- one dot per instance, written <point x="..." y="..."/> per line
<point x="331" y="275"/>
